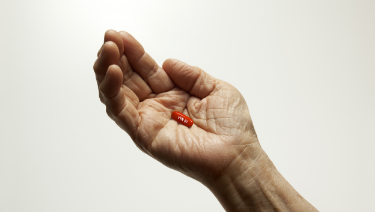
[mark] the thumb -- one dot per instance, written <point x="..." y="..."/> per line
<point x="190" y="78"/>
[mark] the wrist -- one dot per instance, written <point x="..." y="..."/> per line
<point x="252" y="183"/>
<point x="238" y="186"/>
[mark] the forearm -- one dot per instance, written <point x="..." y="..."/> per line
<point x="252" y="183"/>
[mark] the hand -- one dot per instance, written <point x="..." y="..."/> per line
<point x="221" y="149"/>
<point x="140" y="97"/>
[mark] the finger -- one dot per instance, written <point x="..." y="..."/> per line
<point x="112" y="82"/>
<point x="109" y="56"/>
<point x="111" y="85"/>
<point x="133" y="81"/>
<point x="190" y="78"/>
<point x="144" y="65"/>
<point x="112" y="35"/>
<point x="119" y="106"/>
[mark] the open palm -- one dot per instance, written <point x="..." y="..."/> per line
<point x="140" y="97"/>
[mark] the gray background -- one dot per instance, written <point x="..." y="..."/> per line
<point x="305" y="68"/>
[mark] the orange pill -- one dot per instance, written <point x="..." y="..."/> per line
<point x="182" y="119"/>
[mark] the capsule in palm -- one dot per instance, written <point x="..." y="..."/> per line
<point x="182" y="119"/>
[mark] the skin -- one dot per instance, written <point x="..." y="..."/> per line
<point x="220" y="150"/>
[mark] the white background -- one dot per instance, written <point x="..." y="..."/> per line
<point x="305" y="68"/>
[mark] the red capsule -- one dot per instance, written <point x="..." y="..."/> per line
<point x="182" y="119"/>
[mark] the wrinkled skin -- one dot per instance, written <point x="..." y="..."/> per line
<point x="140" y="97"/>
